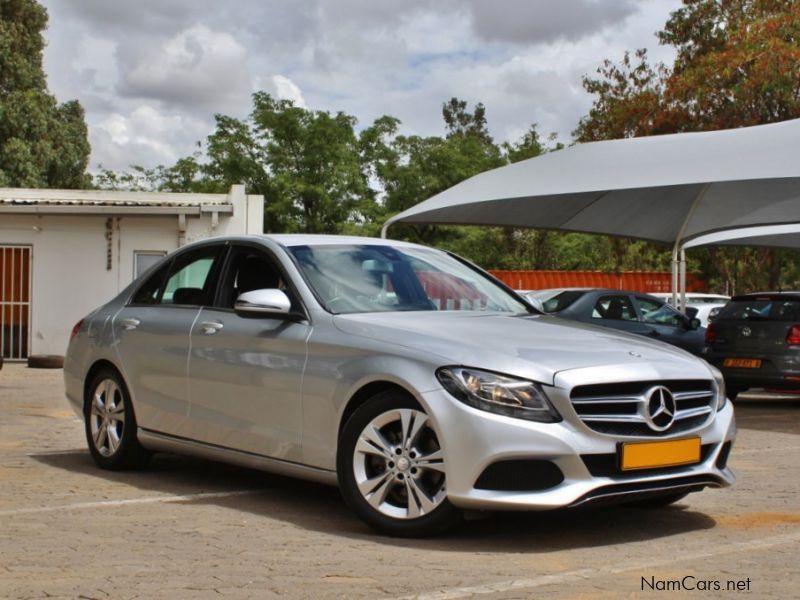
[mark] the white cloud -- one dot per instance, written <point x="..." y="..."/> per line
<point x="152" y="74"/>
<point x="197" y="66"/>
<point x="286" y="89"/>
<point x="145" y="136"/>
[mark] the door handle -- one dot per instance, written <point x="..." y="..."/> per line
<point x="211" y="327"/>
<point x="129" y="324"/>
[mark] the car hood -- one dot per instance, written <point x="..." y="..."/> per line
<point x="536" y="347"/>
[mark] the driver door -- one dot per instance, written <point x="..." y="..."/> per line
<point x="245" y="374"/>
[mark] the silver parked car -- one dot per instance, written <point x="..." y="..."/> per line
<point x="412" y="379"/>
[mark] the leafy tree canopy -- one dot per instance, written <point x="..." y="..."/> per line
<point x="42" y="143"/>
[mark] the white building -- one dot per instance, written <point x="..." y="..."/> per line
<point x="65" y="252"/>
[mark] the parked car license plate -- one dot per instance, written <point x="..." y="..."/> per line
<point x="742" y="363"/>
<point x="670" y="453"/>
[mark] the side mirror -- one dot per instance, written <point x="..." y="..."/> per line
<point x="694" y="324"/>
<point x="263" y="303"/>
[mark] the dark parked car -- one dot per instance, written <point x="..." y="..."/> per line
<point x="628" y="311"/>
<point x="755" y="342"/>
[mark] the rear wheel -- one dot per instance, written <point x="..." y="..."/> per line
<point x="391" y="468"/>
<point x="111" y="424"/>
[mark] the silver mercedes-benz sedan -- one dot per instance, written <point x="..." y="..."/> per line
<point x="409" y="377"/>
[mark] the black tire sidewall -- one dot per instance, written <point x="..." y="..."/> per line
<point x="444" y="517"/>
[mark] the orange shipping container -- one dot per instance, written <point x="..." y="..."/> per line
<point x="638" y="281"/>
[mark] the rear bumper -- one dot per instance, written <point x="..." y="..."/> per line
<point x="776" y="371"/>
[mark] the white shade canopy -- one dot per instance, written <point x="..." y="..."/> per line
<point x="776" y="236"/>
<point x="668" y="188"/>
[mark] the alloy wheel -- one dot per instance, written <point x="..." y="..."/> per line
<point x="107" y="417"/>
<point x="398" y="464"/>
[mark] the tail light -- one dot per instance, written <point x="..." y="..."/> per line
<point x="711" y="333"/>
<point x="76" y="329"/>
<point x="793" y="337"/>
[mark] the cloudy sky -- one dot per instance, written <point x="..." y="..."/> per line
<point x="152" y="73"/>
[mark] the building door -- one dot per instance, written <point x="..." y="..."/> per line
<point x="15" y="301"/>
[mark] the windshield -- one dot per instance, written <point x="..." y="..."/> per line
<point x="762" y="309"/>
<point x="376" y="278"/>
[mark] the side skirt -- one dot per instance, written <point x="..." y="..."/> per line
<point x="166" y="443"/>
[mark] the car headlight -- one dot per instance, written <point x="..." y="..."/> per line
<point x="499" y="394"/>
<point x="721" y="391"/>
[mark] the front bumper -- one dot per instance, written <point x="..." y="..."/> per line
<point x="473" y="440"/>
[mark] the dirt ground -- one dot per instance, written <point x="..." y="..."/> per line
<point x="186" y="528"/>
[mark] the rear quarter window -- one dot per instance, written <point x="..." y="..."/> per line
<point x="561" y="301"/>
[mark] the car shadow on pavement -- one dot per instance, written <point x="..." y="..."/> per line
<point x="320" y="508"/>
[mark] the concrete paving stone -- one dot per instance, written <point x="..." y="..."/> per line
<point x="287" y="538"/>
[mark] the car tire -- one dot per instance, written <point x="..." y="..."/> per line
<point x="110" y="424"/>
<point x="660" y="501"/>
<point x="391" y="468"/>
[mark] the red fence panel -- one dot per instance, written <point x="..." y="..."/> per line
<point x="639" y="281"/>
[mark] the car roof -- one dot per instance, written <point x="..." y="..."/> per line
<point x="303" y="239"/>
<point x="768" y="296"/>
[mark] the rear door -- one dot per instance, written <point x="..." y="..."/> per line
<point x="616" y="311"/>
<point x="152" y="337"/>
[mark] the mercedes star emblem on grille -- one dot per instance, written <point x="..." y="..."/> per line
<point x="660" y="410"/>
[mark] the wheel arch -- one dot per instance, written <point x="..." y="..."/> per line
<point x="366" y="391"/>
<point x="96" y="367"/>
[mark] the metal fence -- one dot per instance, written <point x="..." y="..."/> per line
<point x="15" y="301"/>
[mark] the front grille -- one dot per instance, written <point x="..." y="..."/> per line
<point x="622" y="409"/>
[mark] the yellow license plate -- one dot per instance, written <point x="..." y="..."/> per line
<point x="649" y="455"/>
<point x="742" y="363"/>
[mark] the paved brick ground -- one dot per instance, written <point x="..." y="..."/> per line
<point x="191" y="529"/>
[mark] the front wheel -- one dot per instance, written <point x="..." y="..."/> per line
<point x="391" y="468"/>
<point x="111" y="424"/>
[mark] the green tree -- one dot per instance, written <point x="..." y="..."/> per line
<point x="737" y="64"/>
<point x="42" y="143"/>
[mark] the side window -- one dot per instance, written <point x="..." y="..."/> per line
<point x="659" y="314"/>
<point x="617" y="308"/>
<point x="250" y="269"/>
<point x="150" y="290"/>
<point x="185" y="280"/>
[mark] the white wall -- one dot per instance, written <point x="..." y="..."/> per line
<point x="69" y="271"/>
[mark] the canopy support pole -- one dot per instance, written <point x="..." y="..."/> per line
<point x="682" y="276"/>
<point x="679" y="256"/>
